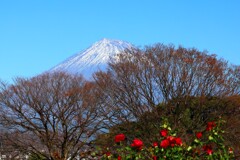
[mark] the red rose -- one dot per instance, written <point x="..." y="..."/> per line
<point x="165" y="143"/>
<point x="137" y="143"/>
<point x="108" y="153"/>
<point x="119" y="157"/>
<point x="178" y="141"/>
<point x="210" y="126"/>
<point x="171" y="140"/>
<point x="155" y="144"/>
<point x="119" y="138"/>
<point x="154" y="157"/>
<point x="208" y="149"/>
<point x="164" y="132"/>
<point x="199" y="135"/>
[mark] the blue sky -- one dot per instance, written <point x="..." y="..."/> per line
<point x="36" y="35"/>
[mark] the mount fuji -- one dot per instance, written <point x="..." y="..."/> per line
<point x="93" y="59"/>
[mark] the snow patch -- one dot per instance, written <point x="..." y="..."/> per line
<point x="92" y="59"/>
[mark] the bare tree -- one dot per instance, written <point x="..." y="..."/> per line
<point x="52" y="115"/>
<point x="127" y="89"/>
<point x="142" y="79"/>
<point x="185" y="72"/>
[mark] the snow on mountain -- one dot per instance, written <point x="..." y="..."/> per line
<point x="93" y="59"/>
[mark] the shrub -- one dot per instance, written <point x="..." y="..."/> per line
<point x="207" y="144"/>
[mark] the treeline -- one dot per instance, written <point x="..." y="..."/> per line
<point x="60" y="116"/>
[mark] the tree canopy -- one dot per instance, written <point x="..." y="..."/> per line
<point x="52" y="115"/>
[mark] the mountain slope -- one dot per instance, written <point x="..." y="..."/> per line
<point x="92" y="59"/>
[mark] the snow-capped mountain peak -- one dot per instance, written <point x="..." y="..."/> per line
<point x="93" y="58"/>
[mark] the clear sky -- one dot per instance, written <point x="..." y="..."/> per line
<point x="36" y="35"/>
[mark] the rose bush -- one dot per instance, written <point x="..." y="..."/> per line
<point x="207" y="144"/>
